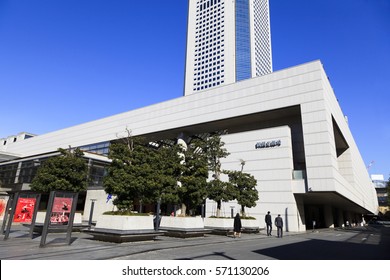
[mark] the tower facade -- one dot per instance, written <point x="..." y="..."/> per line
<point x="227" y="41"/>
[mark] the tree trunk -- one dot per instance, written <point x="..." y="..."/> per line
<point x="243" y="210"/>
<point x="183" y="209"/>
<point x="219" y="204"/>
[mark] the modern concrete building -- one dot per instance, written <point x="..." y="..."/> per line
<point x="4" y="142"/>
<point x="381" y="189"/>
<point x="287" y="126"/>
<point x="227" y="41"/>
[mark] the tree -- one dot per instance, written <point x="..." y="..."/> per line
<point x="218" y="190"/>
<point x="167" y="171"/>
<point x="193" y="180"/>
<point x="245" y="184"/>
<point x="142" y="173"/>
<point x="66" y="172"/>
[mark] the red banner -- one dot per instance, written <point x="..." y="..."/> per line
<point x="61" y="210"/>
<point x="24" y="210"/>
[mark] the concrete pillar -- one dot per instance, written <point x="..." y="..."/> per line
<point x="340" y="218"/>
<point x="182" y="141"/>
<point x="18" y="172"/>
<point x="301" y="224"/>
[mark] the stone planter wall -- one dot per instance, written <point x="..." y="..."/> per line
<point x="117" y="222"/>
<point x="182" y="222"/>
<point x="219" y="223"/>
<point x="249" y="223"/>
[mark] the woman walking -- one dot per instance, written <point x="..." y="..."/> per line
<point x="237" y="226"/>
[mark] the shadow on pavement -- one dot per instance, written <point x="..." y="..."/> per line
<point x="353" y="249"/>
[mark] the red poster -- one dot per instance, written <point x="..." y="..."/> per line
<point x="24" y="210"/>
<point x="61" y="210"/>
<point x="3" y="204"/>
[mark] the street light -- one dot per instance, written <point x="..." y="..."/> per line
<point x="232" y="211"/>
<point x="91" y="212"/>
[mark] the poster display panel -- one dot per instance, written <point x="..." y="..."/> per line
<point x="60" y="212"/>
<point x="3" y="205"/>
<point x="24" y="210"/>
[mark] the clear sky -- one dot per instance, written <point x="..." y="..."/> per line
<point x="66" y="62"/>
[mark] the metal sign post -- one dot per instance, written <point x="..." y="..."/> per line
<point x="21" y="205"/>
<point x="6" y="212"/>
<point x="11" y="215"/>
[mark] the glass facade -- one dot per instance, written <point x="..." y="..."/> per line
<point x="209" y="55"/>
<point x="23" y="172"/>
<point x="29" y="169"/>
<point x="8" y="174"/>
<point x="227" y="41"/>
<point x="97" y="171"/>
<point x="243" y="41"/>
<point x="98" y="148"/>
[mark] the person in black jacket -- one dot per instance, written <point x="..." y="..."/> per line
<point x="268" y="222"/>
<point x="237" y="226"/>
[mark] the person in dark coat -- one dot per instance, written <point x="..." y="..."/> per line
<point x="268" y="222"/>
<point x="279" y="225"/>
<point x="237" y="226"/>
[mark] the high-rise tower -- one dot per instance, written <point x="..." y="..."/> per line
<point x="227" y="41"/>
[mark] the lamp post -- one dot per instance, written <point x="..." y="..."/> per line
<point x="91" y="212"/>
<point x="232" y="211"/>
<point x="157" y="221"/>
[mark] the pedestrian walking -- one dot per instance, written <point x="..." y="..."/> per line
<point x="237" y="226"/>
<point x="279" y="225"/>
<point x="268" y="222"/>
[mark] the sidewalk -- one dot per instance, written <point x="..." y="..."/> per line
<point x="20" y="246"/>
<point x="364" y="243"/>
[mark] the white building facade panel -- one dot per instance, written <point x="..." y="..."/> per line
<point x="307" y="145"/>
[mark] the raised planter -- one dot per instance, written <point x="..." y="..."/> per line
<point x="183" y="226"/>
<point x="220" y="226"/>
<point x="118" y="222"/>
<point x="224" y="226"/>
<point x="116" y="228"/>
<point x="250" y="226"/>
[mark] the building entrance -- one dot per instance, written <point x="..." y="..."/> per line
<point x="314" y="217"/>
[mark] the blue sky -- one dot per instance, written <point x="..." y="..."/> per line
<point x="66" y="62"/>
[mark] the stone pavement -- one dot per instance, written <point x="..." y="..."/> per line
<point x="366" y="243"/>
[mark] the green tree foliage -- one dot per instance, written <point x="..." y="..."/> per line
<point x="142" y="173"/>
<point x="67" y="172"/>
<point x="193" y="181"/>
<point x="246" y="192"/>
<point x="218" y="190"/>
<point x="145" y="173"/>
<point x="167" y="170"/>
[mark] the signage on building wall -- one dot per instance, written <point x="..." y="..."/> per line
<point x="268" y="144"/>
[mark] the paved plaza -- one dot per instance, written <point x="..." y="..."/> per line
<point x="365" y="243"/>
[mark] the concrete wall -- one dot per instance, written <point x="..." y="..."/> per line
<point x="101" y="204"/>
<point x="272" y="167"/>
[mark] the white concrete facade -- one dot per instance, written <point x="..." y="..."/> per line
<point x="296" y="106"/>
